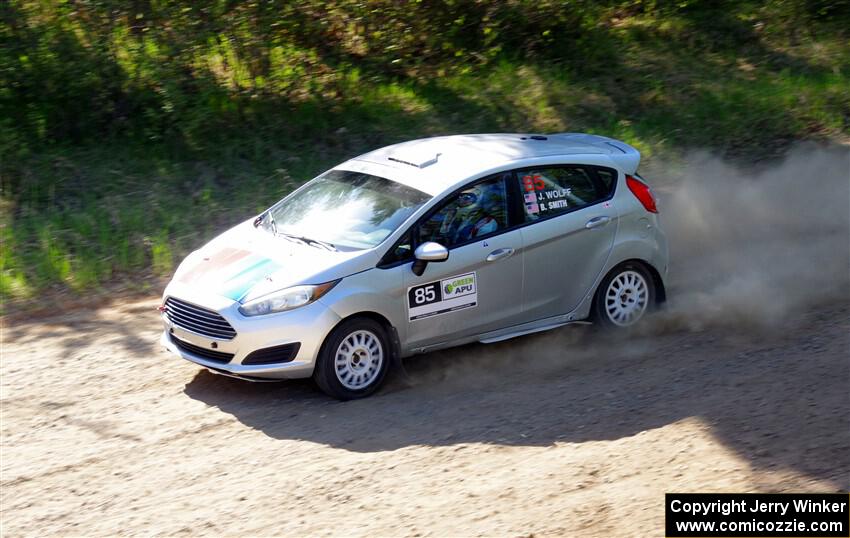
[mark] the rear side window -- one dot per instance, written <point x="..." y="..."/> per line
<point x="555" y="190"/>
<point x="608" y="177"/>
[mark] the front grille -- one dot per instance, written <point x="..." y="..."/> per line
<point x="198" y="319"/>
<point x="272" y="355"/>
<point x="209" y="354"/>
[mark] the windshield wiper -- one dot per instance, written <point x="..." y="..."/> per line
<point x="324" y="244"/>
<point x="308" y="241"/>
<point x="259" y="220"/>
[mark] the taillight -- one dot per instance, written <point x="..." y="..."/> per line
<point x="643" y="193"/>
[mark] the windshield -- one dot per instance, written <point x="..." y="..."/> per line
<point x="344" y="209"/>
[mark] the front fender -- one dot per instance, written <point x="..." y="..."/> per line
<point x="375" y="291"/>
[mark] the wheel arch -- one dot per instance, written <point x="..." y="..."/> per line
<point x="650" y="253"/>
<point x="657" y="281"/>
<point x="392" y="333"/>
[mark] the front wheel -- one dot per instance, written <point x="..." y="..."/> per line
<point x="354" y="359"/>
<point x="623" y="297"/>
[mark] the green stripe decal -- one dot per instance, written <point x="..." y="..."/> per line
<point x="240" y="284"/>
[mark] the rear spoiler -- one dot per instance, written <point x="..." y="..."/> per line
<point x="624" y="155"/>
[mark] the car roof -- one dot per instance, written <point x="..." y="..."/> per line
<point x="436" y="164"/>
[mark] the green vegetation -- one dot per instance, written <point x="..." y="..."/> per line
<point x="131" y="132"/>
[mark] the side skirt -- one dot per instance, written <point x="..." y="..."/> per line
<point x="501" y="337"/>
<point x="507" y="333"/>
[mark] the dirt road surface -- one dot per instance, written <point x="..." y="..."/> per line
<point x="565" y="433"/>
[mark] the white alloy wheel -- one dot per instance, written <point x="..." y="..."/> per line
<point x="358" y="360"/>
<point x="626" y="298"/>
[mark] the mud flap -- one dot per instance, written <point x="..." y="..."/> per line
<point x="397" y="363"/>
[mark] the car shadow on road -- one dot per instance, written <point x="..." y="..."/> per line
<point x="777" y="400"/>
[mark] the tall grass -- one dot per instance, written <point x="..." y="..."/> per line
<point x="130" y="134"/>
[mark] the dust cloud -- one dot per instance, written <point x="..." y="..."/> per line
<point x="749" y="249"/>
<point x="755" y="248"/>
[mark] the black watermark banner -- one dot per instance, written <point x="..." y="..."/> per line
<point x="757" y="515"/>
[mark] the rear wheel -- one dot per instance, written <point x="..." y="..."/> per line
<point x="623" y="297"/>
<point x="354" y="359"/>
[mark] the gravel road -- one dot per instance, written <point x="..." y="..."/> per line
<point x="565" y="433"/>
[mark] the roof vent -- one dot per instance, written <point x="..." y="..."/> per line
<point x="420" y="162"/>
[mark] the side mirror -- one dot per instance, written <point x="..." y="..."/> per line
<point x="431" y="252"/>
<point x="428" y="252"/>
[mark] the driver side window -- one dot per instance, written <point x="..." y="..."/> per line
<point x="478" y="211"/>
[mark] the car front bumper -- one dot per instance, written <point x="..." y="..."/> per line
<point x="306" y="326"/>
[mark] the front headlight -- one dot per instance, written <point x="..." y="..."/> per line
<point x="287" y="299"/>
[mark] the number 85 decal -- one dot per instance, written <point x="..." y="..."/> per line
<point x="534" y="182"/>
<point x="425" y="295"/>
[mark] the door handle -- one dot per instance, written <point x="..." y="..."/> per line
<point x="500" y="254"/>
<point x="597" y="222"/>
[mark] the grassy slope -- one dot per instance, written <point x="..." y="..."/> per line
<point x="79" y="210"/>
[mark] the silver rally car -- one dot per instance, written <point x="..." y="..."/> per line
<point x="419" y="246"/>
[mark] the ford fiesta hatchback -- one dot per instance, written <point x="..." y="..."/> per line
<point x="419" y="246"/>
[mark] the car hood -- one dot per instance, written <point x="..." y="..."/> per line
<point x="245" y="263"/>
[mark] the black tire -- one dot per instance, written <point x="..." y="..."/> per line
<point x="332" y="375"/>
<point x="603" y="303"/>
